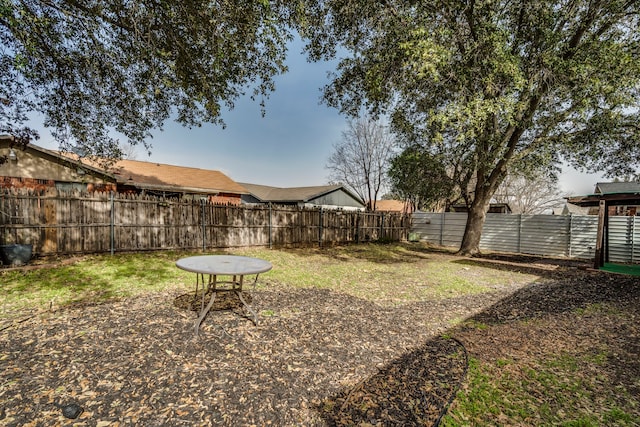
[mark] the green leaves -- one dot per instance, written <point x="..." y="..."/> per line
<point x="94" y="68"/>
<point x="508" y="76"/>
<point x="426" y="57"/>
<point x="495" y="82"/>
<point x="420" y="177"/>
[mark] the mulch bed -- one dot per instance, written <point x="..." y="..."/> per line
<point x="316" y="357"/>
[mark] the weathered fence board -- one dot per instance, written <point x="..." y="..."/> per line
<point x="59" y="222"/>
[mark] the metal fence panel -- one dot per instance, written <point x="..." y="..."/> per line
<point x="501" y="233"/>
<point x="620" y="235"/>
<point x="584" y="231"/>
<point x="548" y="235"/>
<point x="453" y="228"/>
<point x="545" y="235"/>
<point x="428" y="226"/>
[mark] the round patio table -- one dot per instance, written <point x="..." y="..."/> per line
<point x="232" y="266"/>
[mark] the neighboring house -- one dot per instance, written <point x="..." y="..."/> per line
<point x="176" y="181"/>
<point x="571" y="209"/>
<point x="502" y="208"/>
<point x="39" y="168"/>
<point x="327" y="196"/>
<point x="622" y="198"/>
<point x="393" y="206"/>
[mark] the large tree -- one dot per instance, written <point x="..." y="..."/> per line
<point x="420" y="178"/>
<point x="361" y="159"/>
<point x="98" y="71"/>
<point x="496" y="82"/>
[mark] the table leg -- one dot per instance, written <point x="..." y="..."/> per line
<point x="247" y="306"/>
<point x="195" y="296"/>
<point x="204" y="311"/>
<point x="212" y="280"/>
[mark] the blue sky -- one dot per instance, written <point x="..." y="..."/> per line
<point x="289" y="147"/>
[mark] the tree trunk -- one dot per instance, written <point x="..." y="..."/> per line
<point x="475" y="221"/>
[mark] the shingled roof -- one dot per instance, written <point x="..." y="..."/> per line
<point x="393" y="206"/>
<point x="615" y="193"/>
<point x="292" y="194"/>
<point x="617" y="188"/>
<point x="163" y="177"/>
<point x="160" y="176"/>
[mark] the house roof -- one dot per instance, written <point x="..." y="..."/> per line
<point x="6" y="140"/>
<point x="149" y="175"/>
<point x="160" y="176"/>
<point x="392" y="206"/>
<point x="617" y="188"/>
<point x="265" y="193"/>
<point x="570" y="208"/>
<point x="614" y="193"/>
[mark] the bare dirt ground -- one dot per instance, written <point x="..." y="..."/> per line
<point x="316" y="357"/>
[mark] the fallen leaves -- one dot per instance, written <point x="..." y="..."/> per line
<point x="322" y="358"/>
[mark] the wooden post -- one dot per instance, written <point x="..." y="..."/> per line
<point x="321" y="225"/>
<point x="50" y="244"/>
<point x="270" y="226"/>
<point x="600" y="239"/>
<point x="112" y="225"/>
<point x="203" y="201"/>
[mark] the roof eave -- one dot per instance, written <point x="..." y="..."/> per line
<point x="613" y="198"/>
<point x="174" y="188"/>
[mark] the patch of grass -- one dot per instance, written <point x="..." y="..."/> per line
<point x="267" y="313"/>
<point x="475" y="324"/>
<point x="557" y="390"/>
<point x="387" y="274"/>
<point x="598" y="308"/>
<point x="391" y="273"/>
<point x="92" y="280"/>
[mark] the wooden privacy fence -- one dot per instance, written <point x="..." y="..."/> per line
<point x="64" y="223"/>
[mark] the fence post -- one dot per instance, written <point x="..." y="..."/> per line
<point x="112" y="233"/>
<point x="519" y="233"/>
<point x="270" y="226"/>
<point x="570" y="234"/>
<point x="444" y="215"/>
<point x="204" y="230"/>
<point x="320" y="228"/>
<point x="633" y="240"/>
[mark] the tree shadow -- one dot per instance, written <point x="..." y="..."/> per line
<point x="409" y="391"/>
<point x="416" y="388"/>
<point x="72" y="285"/>
<point x="538" y="269"/>
<point x="560" y="293"/>
<point x="376" y="252"/>
<point x="534" y="259"/>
